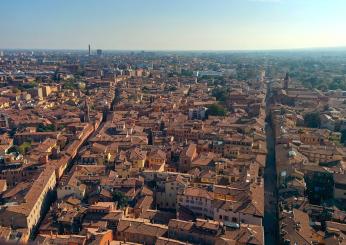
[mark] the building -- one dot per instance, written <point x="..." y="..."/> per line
<point x="197" y="113"/>
<point x="28" y="214"/>
<point x="198" y="200"/>
<point x="156" y="159"/>
<point x="199" y="232"/>
<point x="139" y="231"/>
<point x="168" y="189"/>
<point x="37" y="93"/>
<point x="46" y="91"/>
<point x="340" y="186"/>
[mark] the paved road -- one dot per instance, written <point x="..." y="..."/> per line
<point x="270" y="191"/>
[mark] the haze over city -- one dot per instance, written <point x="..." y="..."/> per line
<point x="173" y="25"/>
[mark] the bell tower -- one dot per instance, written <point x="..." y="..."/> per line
<point x="85" y="115"/>
<point x="287" y="81"/>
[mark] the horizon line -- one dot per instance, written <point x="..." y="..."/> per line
<point x="182" y="50"/>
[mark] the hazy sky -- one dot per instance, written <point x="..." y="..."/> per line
<point x="172" y="24"/>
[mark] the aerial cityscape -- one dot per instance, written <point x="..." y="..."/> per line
<point x="172" y="134"/>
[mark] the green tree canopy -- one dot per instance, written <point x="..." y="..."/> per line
<point x="312" y="120"/>
<point x="23" y="148"/>
<point x="220" y="94"/>
<point x="216" y="110"/>
<point x="343" y="137"/>
<point x="70" y="84"/>
<point x="13" y="149"/>
<point x="186" y="73"/>
<point x="120" y="198"/>
<point x="46" y="128"/>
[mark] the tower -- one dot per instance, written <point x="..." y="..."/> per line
<point x="89" y="50"/>
<point x="286" y="81"/>
<point x="85" y="115"/>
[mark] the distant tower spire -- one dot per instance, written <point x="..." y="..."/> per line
<point x="287" y="81"/>
<point x="89" y="50"/>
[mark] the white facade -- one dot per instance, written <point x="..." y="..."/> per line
<point x="201" y="206"/>
<point x="71" y="190"/>
<point x="197" y="113"/>
<point x="236" y="217"/>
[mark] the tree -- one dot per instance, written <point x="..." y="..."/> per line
<point x="186" y="73"/>
<point x="39" y="80"/>
<point x="312" y="120"/>
<point x="120" y="198"/>
<point x="220" y="94"/>
<point x="46" y="128"/>
<point x="312" y="82"/>
<point x="27" y="86"/>
<point x="56" y="76"/>
<point x="343" y="137"/>
<point x="23" y="148"/>
<point x="145" y="89"/>
<point x="172" y="88"/>
<point x="70" y="84"/>
<point x="13" y="149"/>
<point x="338" y="83"/>
<point x="216" y="110"/>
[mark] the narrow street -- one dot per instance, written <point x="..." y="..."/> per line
<point x="270" y="188"/>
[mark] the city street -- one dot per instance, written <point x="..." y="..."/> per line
<point x="270" y="189"/>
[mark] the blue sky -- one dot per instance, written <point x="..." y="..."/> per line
<point x="172" y="24"/>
